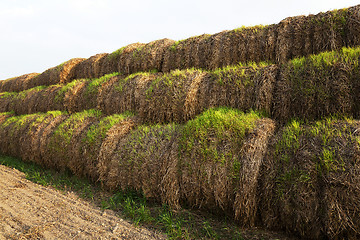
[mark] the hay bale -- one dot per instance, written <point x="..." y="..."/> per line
<point x="89" y="68"/>
<point x="45" y="139"/>
<point x="4" y="116"/>
<point x="85" y="95"/>
<point x="16" y="84"/>
<point x="168" y="97"/>
<point x="147" y="161"/>
<point x="62" y="150"/>
<point x="13" y="131"/>
<point x="30" y="144"/>
<point x="6" y="101"/>
<point x="148" y="57"/>
<point x="353" y="26"/>
<point x="107" y="170"/>
<point x="90" y="145"/>
<point x="330" y="30"/>
<point x="55" y="75"/>
<point x="218" y="163"/>
<point x="316" y="86"/>
<point x="184" y="54"/>
<point x="310" y="182"/>
<point x="119" y="60"/>
<point x="26" y="102"/>
<point x="121" y="94"/>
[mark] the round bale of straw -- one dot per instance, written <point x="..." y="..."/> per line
<point x="13" y="131"/>
<point x="148" y="57"/>
<point x="107" y="162"/>
<point x="30" y="144"/>
<point x="63" y="153"/>
<point x="6" y="101"/>
<point x="17" y="84"/>
<point x="310" y="181"/>
<point x="316" y="86"/>
<point x="147" y="161"/>
<point x="353" y="26"/>
<point x="89" y="68"/>
<point x="119" y="60"/>
<point x="171" y="97"/>
<point x="121" y="94"/>
<point x="221" y="152"/>
<point x="91" y="142"/>
<point x="184" y="54"/>
<point x="55" y="75"/>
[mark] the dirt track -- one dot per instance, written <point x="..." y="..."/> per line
<point x="31" y="211"/>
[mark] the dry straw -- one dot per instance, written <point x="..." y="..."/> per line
<point x="55" y="75"/>
<point x="310" y="181"/>
<point x="16" y="84"/>
<point x="317" y="86"/>
<point x="221" y="154"/>
<point x="89" y="68"/>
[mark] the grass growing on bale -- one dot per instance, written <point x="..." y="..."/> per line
<point x="66" y="88"/>
<point x="121" y="85"/>
<point x="95" y="84"/>
<point x="98" y="131"/>
<point x="318" y="85"/>
<point x="316" y="178"/>
<point x="64" y="132"/>
<point x="210" y="162"/>
<point x="116" y="53"/>
<point x="132" y="205"/>
<point x="216" y="125"/>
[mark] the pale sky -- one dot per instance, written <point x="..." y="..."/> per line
<point x="39" y="34"/>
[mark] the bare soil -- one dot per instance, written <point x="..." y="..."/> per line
<point x="31" y="211"/>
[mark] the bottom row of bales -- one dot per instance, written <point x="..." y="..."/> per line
<point x="303" y="178"/>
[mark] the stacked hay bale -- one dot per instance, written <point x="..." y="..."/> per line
<point x="310" y="180"/>
<point x="318" y="85"/>
<point x="89" y="68"/>
<point x="56" y="75"/>
<point x="17" y="84"/>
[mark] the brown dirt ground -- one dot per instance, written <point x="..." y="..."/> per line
<point x="31" y="211"/>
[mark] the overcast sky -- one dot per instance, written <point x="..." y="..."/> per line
<point x="39" y="34"/>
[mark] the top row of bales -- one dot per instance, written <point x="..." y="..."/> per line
<point x="277" y="43"/>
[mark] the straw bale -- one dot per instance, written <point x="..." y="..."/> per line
<point x="4" y="116"/>
<point x="107" y="170"/>
<point x="353" y="26"/>
<point x="310" y="181"/>
<point x="314" y="87"/>
<point x="6" y="101"/>
<point x="330" y="30"/>
<point x="63" y="153"/>
<point x="168" y="96"/>
<point x="119" y="60"/>
<point x="74" y="100"/>
<point x="148" y="57"/>
<point x="55" y="75"/>
<point x="121" y="94"/>
<point x="185" y="53"/>
<point x="89" y="68"/>
<point x="147" y="161"/>
<point x="45" y="139"/>
<point x="86" y="150"/>
<point x="252" y="154"/>
<point x="16" y="84"/>
<point x="26" y="101"/>
<point x="30" y="144"/>
<point x="232" y="87"/>
<point x="12" y="132"/>
<point x="213" y="149"/>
